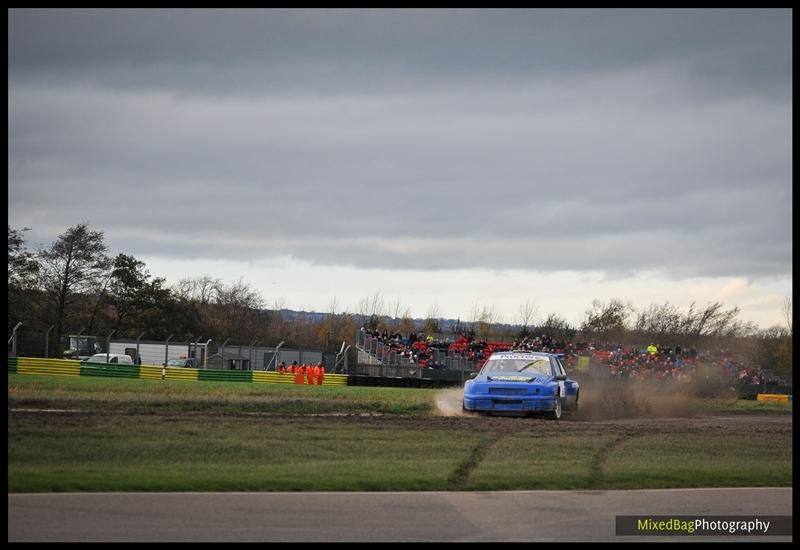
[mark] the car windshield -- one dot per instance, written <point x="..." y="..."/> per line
<point x="176" y="362"/>
<point x="527" y="365"/>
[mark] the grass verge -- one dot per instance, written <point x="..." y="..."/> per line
<point x="219" y="453"/>
<point x="141" y="435"/>
<point x="142" y="396"/>
<point x="636" y="461"/>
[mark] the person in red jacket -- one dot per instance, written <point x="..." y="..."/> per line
<point x="299" y="375"/>
<point x="320" y="373"/>
<point x="311" y="374"/>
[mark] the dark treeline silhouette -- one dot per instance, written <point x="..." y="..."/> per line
<point x="75" y="285"/>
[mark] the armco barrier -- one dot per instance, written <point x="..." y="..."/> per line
<point x="53" y="367"/>
<point x="751" y="391"/>
<point x="64" y="367"/>
<point x="271" y="377"/>
<point x="773" y="397"/>
<point x="225" y="375"/>
<point x="109" y="370"/>
<point x="150" y="373"/>
<point x="168" y="373"/>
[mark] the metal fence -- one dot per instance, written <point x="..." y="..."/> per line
<point x="379" y="358"/>
<point x="26" y="343"/>
<point x="207" y="353"/>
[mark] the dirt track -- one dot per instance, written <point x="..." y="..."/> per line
<point x="738" y="423"/>
<point x="735" y="423"/>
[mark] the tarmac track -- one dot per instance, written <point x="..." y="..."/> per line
<point x="372" y="517"/>
<point x="404" y="516"/>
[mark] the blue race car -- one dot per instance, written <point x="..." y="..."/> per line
<point x="522" y="381"/>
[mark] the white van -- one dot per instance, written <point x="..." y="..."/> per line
<point x="115" y="358"/>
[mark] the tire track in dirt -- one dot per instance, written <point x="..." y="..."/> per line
<point x="599" y="459"/>
<point x="458" y="479"/>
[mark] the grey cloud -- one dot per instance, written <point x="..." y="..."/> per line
<point x="608" y="140"/>
<point x="326" y="51"/>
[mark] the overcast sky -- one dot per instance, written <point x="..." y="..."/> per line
<point x="462" y="158"/>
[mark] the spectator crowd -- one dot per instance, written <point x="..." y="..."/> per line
<point x="652" y="362"/>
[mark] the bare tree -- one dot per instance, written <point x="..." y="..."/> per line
<point x="432" y="319"/>
<point x="526" y="318"/>
<point x="73" y="265"/>
<point x="235" y="309"/>
<point x="371" y="309"/>
<point x="557" y="327"/>
<point x="787" y="312"/>
<point x="201" y="290"/>
<point x="713" y="320"/>
<point x="483" y="317"/>
<point x="23" y="269"/>
<point x="22" y="264"/>
<point x="662" y="320"/>
<point x="607" y="321"/>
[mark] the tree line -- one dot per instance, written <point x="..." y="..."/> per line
<point x="76" y="285"/>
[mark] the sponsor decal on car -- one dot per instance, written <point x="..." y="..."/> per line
<point x="510" y="378"/>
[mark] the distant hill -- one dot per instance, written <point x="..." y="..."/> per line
<point x="447" y="325"/>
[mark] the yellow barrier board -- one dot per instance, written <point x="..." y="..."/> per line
<point x="772" y="397"/>
<point x="583" y="363"/>
<point x="67" y="367"/>
<point x="52" y="367"/>
<point x="272" y="378"/>
<point x="335" y="380"/>
<point x="178" y="373"/>
<point x="150" y="373"/>
<point x="288" y="378"/>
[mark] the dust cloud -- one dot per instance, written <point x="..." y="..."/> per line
<point x="610" y="399"/>
<point x="449" y="402"/>
<point x="605" y="400"/>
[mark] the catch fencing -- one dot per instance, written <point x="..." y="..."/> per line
<point x="385" y="359"/>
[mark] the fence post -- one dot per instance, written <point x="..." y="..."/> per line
<point x="276" y="356"/>
<point x="193" y="350"/>
<point x="205" y="358"/>
<point x="108" y="345"/>
<point x="13" y="339"/>
<point x="250" y="354"/>
<point x="166" y="349"/>
<point x="222" y="353"/>
<point x="138" y="355"/>
<point x="47" y="342"/>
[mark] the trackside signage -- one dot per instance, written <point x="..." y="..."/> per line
<point x="704" y="525"/>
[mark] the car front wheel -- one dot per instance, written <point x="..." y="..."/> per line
<point x="555" y="414"/>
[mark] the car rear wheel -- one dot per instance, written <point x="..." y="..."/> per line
<point x="555" y="414"/>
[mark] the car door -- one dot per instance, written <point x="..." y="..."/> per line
<point x="570" y="387"/>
